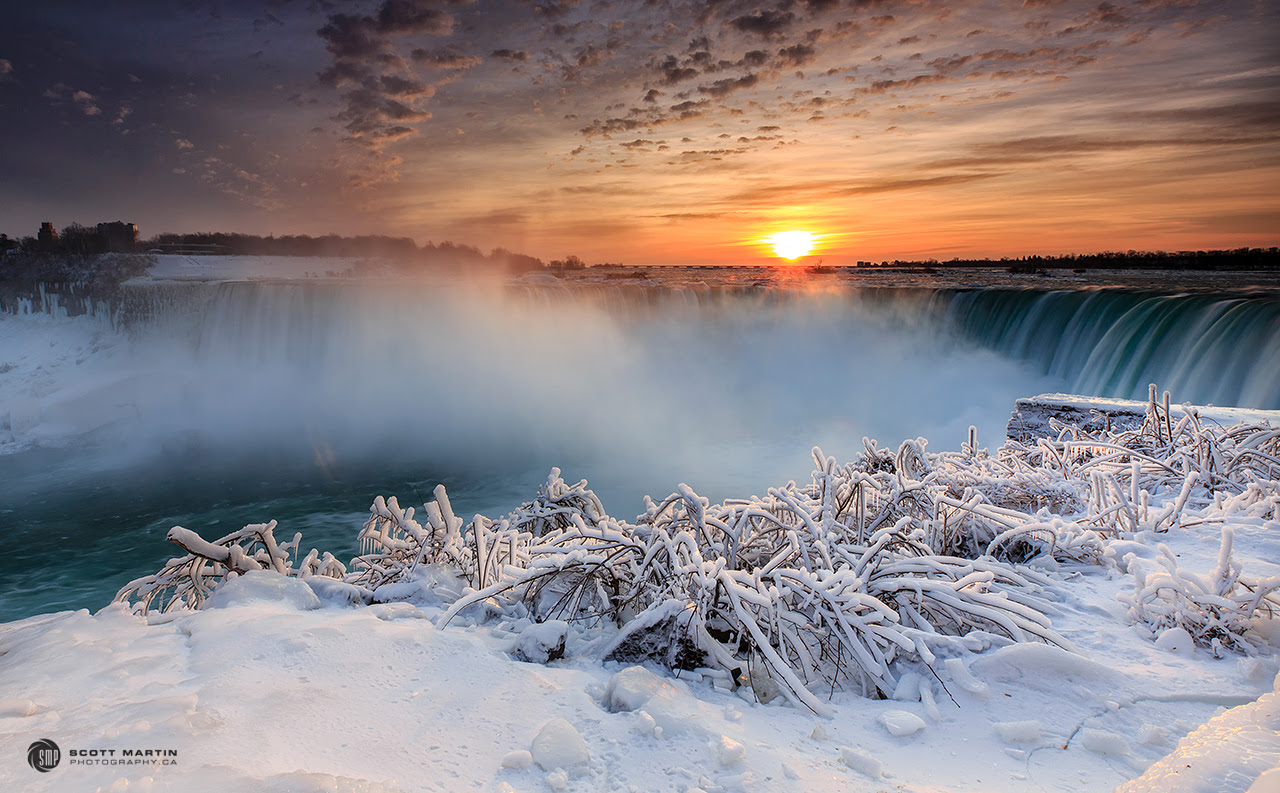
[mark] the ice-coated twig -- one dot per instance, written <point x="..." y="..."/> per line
<point x="883" y="565"/>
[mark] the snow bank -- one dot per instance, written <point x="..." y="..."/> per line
<point x="1231" y="753"/>
<point x="476" y="656"/>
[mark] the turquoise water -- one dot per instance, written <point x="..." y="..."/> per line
<point x="300" y="402"/>
<point x="1204" y="349"/>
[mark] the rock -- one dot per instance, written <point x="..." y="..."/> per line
<point x="541" y="643"/>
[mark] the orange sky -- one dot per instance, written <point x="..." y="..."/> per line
<point x="661" y="132"/>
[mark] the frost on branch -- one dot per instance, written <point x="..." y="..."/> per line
<point x="878" y="568"/>
<point x="186" y="582"/>
<point x="808" y="588"/>
<point x="1217" y="610"/>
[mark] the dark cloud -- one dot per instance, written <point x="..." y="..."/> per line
<point x="496" y="218"/>
<point x="691" y="215"/>
<point x="369" y="113"/>
<point x="727" y="78"/>
<point x="797" y="55"/>
<point x="1060" y="145"/>
<point x="672" y="72"/>
<point x="769" y="22"/>
<point x="415" y="16"/>
<point x="553" y="8"/>
<point x="379" y="108"/>
<point x="352" y="38"/>
<point x="722" y="88"/>
<point x="689" y="107"/>
<point x="394" y="85"/>
<point x="1262" y="115"/>
<point x="1044" y="148"/>
<point x="884" y="86"/>
<point x="1262" y="222"/>
<point x="444" y="59"/>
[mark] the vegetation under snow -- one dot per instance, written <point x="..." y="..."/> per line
<point x="874" y="573"/>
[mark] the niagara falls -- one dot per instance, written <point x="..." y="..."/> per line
<point x="678" y="396"/>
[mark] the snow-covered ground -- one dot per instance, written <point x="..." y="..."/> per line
<point x="272" y="688"/>
<point x="47" y="364"/>
<point x="281" y="684"/>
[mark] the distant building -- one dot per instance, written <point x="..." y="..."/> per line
<point x="47" y="238"/>
<point x="118" y="237"/>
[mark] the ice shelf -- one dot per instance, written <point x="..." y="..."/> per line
<point x="1031" y="416"/>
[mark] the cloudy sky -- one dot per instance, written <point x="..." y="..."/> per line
<point x="652" y="131"/>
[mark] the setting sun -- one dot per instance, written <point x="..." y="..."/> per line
<point x="791" y="245"/>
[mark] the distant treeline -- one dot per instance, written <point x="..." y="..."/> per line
<point x="91" y="263"/>
<point x="77" y="240"/>
<point x="1236" y="259"/>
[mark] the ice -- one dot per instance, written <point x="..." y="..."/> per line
<point x="337" y="593"/>
<point x="1042" y="666"/>
<point x="730" y="752"/>
<point x="17" y="707"/>
<point x="559" y="745"/>
<point x="317" y="674"/>
<point x="959" y="673"/>
<point x="900" y="723"/>
<point x="1102" y="742"/>
<point x="1018" y="731"/>
<point x="1268" y="782"/>
<point x="862" y="760"/>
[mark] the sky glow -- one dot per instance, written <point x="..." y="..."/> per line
<point x="653" y="132"/>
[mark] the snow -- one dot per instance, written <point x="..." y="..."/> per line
<point x="59" y="378"/>
<point x="282" y="683"/>
<point x="901" y="723"/>
<point x="862" y="761"/>
<point x="559" y="745"/>
<point x="541" y="642"/>
<point x="263" y="586"/>
<point x="178" y="267"/>
<point x="268" y="692"/>
<point x="1236" y="751"/>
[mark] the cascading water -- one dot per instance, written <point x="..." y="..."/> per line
<point x="245" y="401"/>
<point x="1204" y="349"/>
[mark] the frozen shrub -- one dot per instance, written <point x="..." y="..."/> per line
<point x="1217" y="610"/>
<point x="878" y="569"/>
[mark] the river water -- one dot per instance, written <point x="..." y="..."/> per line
<point x="217" y="402"/>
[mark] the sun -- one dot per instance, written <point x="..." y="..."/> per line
<point x="791" y="245"/>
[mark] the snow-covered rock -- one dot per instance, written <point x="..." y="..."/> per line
<point x="559" y="745"/>
<point x="631" y="688"/>
<point x="541" y="642"/>
<point x="264" y="586"/>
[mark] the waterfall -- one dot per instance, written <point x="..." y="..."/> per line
<point x="1204" y="349"/>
